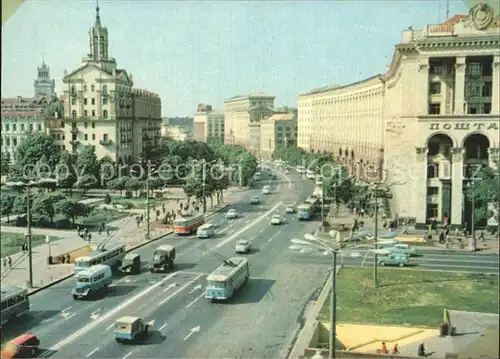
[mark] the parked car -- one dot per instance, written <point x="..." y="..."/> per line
<point x="232" y="214"/>
<point x="243" y="246"/>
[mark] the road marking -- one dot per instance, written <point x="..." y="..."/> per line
<point x="274" y="236"/>
<point x="110" y="326"/>
<point x="119" y="281"/>
<point x="364" y="259"/>
<point x="65" y="310"/>
<point x="198" y="287"/>
<point x="245" y="228"/>
<point x="92" y="352"/>
<point x="126" y="356"/>
<point x="192" y="331"/>
<point x="109" y="314"/>
<point x="195" y="300"/>
<point x="162" y="327"/>
<point x="70" y="316"/>
<point x="180" y="289"/>
<point x="169" y="287"/>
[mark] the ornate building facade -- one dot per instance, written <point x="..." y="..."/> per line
<point x="431" y="119"/>
<point x="102" y="109"/>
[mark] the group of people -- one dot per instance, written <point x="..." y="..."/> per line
<point x="395" y="349"/>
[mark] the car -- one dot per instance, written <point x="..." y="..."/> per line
<point x="266" y="189"/>
<point x="276" y="219"/>
<point x="243" y="246"/>
<point x="255" y="200"/>
<point x="232" y="214"/>
<point x="287" y="171"/>
<point x="274" y="177"/>
<point x="404" y="249"/>
<point x="130" y="329"/>
<point x="23" y="346"/>
<point x="290" y="208"/>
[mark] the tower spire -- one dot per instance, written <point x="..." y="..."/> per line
<point x="97" y="16"/>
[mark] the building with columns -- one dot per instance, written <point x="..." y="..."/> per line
<point x="241" y="111"/>
<point x="102" y="109"/>
<point x="277" y="131"/>
<point x="434" y="118"/>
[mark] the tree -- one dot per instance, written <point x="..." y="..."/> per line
<point x="7" y="204"/>
<point x="72" y="209"/>
<point x="242" y="162"/>
<point x="55" y="108"/>
<point x="118" y="184"/>
<point x="134" y="185"/>
<point x="486" y="191"/>
<point x="5" y="163"/>
<point x="65" y="172"/>
<point x="107" y="170"/>
<point x="20" y="205"/>
<point x="85" y="182"/>
<point x="88" y="165"/>
<point x="44" y="204"/>
<point x="338" y="184"/>
<point x="29" y="152"/>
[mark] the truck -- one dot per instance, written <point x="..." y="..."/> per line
<point x="131" y="263"/>
<point x="163" y="258"/>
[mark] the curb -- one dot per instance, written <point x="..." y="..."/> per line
<point x="37" y="290"/>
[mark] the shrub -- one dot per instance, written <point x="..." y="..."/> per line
<point x="128" y="194"/>
<point x="107" y="199"/>
<point x="64" y="224"/>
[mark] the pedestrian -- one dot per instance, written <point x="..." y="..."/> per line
<point x="163" y="208"/>
<point x="4" y="262"/>
<point x="395" y="349"/>
<point x="68" y="258"/>
<point x="9" y="262"/>
<point x="421" y="350"/>
<point x="426" y="236"/>
<point x="99" y="231"/>
<point x="481" y="236"/>
<point x="384" y="349"/>
<point x="107" y="231"/>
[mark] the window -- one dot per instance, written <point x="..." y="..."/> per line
<point x="432" y="191"/>
<point x="473" y="108"/>
<point x="104" y="89"/>
<point x="86" y="137"/>
<point x="7" y="127"/>
<point x="93" y="113"/>
<point x="104" y="101"/>
<point x="14" y="127"/>
<point x="7" y="141"/>
<point x="105" y="114"/>
<point x="487" y="108"/>
<point x="31" y="127"/>
<point x="73" y="124"/>
<point x="85" y="88"/>
<point x="73" y="90"/>
<point x="434" y="109"/>
<point x="436" y="69"/>
<point x="435" y="88"/>
<point x="93" y="124"/>
<point x="473" y="89"/>
<point x="486" y="89"/>
<point x="93" y="136"/>
<point x="92" y="101"/>
<point x="105" y="137"/>
<point x="432" y="211"/>
<point x="432" y="170"/>
<point x="73" y="101"/>
<point x="92" y="88"/>
<point x="85" y="125"/>
<point x="22" y="126"/>
<point x="85" y="113"/>
<point x="474" y="69"/>
<point x="14" y="142"/>
<point x="39" y="127"/>
<point x="84" y="101"/>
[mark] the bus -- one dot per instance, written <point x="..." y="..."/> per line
<point x="305" y="211"/>
<point x="225" y="280"/>
<point x="187" y="225"/>
<point x="15" y="303"/>
<point x="112" y="257"/>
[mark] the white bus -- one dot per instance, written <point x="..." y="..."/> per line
<point x="91" y="281"/>
<point x="15" y="303"/>
<point x="225" y="280"/>
<point x="112" y="257"/>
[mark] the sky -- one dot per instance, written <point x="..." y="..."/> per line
<point x="192" y="52"/>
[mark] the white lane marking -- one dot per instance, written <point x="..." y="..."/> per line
<point x="198" y="287"/>
<point x="276" y="235"/>
<point x="364" y="259"/>
<point x="119" y="281"/>
<point x="245" y="228"/>
<point x="65" y="310"/>
<point x="126" y="356"/>
<point x="162" y="327"/>
<point x="92" y="352"/>
<point x="110" y="326"/>
<point x="195" y="300"/>
<point x="180" y="289"/>
<point x="169" y="287"/>
<point x="70" y="316"/>
<point x="109" y="314"/>
<point x="225" y="229"/>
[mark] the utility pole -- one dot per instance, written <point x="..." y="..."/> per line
<point x="333" y="308"/>
<point x="147" y="206"/>
<point x="375" y="261"/>
<point x="473" y="217"/>
<point x="28" y="237"/>
<point x="203" y="186"/>
<point x="322" y="202"/>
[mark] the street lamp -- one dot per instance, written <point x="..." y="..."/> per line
<point x="148" y="175"/>
<point x="471" y="185"/>
<point x="309" y="245"/>
<point x="28" y="185"/>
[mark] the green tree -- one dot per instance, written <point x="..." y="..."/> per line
<point x="29" y="152"/>
<point x="5" y="163"/>
<point x="486" y="191"/>
<point x="55" y="109"/>
<point x="65" y="172"/>
<point x="20" y="205"/>
<point x="72" y="209"/>
<point x="118" y="184"/>
<point x="338" y="184"/>
<point x="44" y="204"/>
<point x="106" y="170"/>
<point x="7" y="204"/>
<point x="86" y="182"/>
<point x="134" y="185"/>
<point x="87" y="164"/>
<point x="242" y="162"/>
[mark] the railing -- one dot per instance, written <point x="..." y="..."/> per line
<point x="74" y="142"/>
<point x="439" y="30"/>
<point x="74" y="130"/>
<point x="105" y="142"/>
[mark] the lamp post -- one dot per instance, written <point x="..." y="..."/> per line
<point x="28" y="236"/>
<point x="473" y="217"/>
<point x="148" y="226"/>
<point x="375" y="237"/>
<point x="308" y="245"/>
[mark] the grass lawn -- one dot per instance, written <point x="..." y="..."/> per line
<point x="11" y="243"/>
<point x="97" y="217"/>
<point x="409" y="297"/>
<point x="138" y="203"/>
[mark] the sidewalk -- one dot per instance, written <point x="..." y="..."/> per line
<point x="126" y="232"/>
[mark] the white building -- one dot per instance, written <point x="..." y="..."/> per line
<point x="102" y="109"/>
<point x="425" y="124"/>
<point x="208" y="125"/>
<point x="176" y="133"/>
<point x="277" y="131"/>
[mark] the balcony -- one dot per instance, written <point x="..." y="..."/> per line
<point x="74" y="142"/>
<point x="105" y="142"/>
<point x="74" y="130"/>
<point x="433" y="199"/>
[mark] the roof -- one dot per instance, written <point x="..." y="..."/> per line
<point x="21" y="339"/>
<point x="336" y="87"/>
<point x="94" y="269"/>
<point x="127" y="320"/>
<point x="455" y="19"/>
<point x="224" y="270"/>
<point x="282" y="117"/>
<point x="252" y="95"/>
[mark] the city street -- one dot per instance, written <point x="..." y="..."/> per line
<point x="260" y="321"/>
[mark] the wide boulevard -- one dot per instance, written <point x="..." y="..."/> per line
<point x="260" y="321"/>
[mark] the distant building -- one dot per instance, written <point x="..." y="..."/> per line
<point x="102" y="109"/>
<point x="176" y="133"/>
<point x="208" y="125"/>
<point x="276" y="132"/>
<point x="240" y="111"/>
<point x="44" y="85"/>
<point x="184" y="122"/>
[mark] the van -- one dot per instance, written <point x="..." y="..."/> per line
<point x="387" y="244"/>
<point x="205" y="231"/>
<point x="91" y="281"/>
<point x="23" y="346"/>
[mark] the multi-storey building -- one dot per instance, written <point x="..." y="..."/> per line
<point x="176" y="133"/>
<point x="240" y="111"/>
<point x="432" y="118"/>
<point x="208" y="125"/>
<point x="102" y="109"/>
<point x="277" y="131"/>
<point x="26" y="115"/>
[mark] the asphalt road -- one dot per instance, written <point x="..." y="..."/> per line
<point x="259" y="322"/>
<point x="427" y="259"/>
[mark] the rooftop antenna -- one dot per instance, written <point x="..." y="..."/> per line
<point x="217" y="255"/>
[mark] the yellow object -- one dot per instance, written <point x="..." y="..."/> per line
<point x="9" y="7"/>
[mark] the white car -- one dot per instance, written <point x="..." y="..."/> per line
<point x="255" y="200"/>
<point x="266" y="189"/>
<point x="276" y="219"/>
<point x="290" y="208"/>
<point x="232" y="214"/>
<point x="243" y="246"/>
